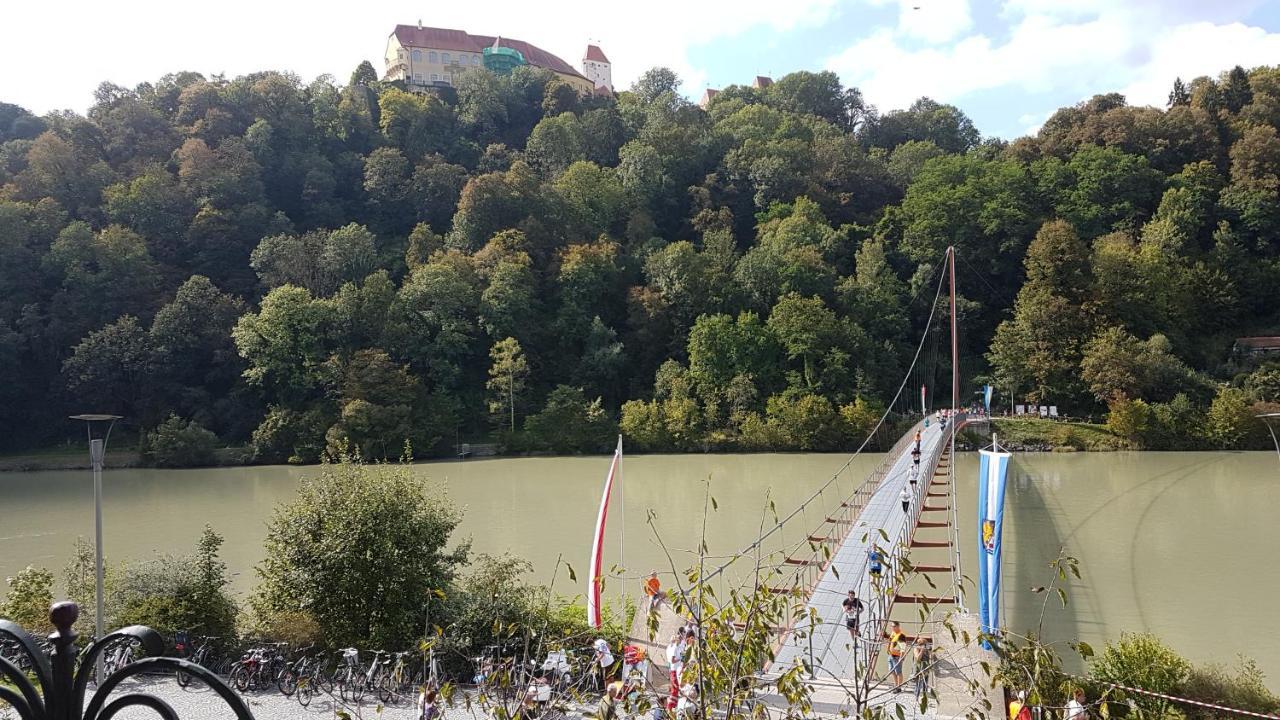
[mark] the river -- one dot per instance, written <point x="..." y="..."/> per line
<point x="1175" y="543"/>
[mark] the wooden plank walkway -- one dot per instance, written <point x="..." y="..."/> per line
<point x="826" y="646"/>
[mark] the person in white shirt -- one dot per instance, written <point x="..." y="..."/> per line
<point x="905" y="497"/>
<point x="604" y="658"/>
<point x="1075" y="706"/>
<point x="687" y="707"/>
<point x="675" y="658"/>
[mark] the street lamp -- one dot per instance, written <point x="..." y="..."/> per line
<point x="1266" y="420"/>
<point x="97" y="453"/>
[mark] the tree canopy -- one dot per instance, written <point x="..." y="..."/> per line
<point x="316" y="266"/>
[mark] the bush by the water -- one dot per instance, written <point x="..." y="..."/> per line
<point x="170" y="593"/>
<point x="181" y="443"/>
<point x="363" y="549"/>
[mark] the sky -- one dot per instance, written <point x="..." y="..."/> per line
<point x="1007" y="63"/>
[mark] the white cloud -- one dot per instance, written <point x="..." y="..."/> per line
<point x="1084" y="47"/>
<point x="54" y="54"/>
<point x="1196" y="49"/>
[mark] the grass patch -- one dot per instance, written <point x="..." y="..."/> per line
<point x="1059" y="435"/>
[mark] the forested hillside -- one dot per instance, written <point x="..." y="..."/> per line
<point x="299" y="266"/>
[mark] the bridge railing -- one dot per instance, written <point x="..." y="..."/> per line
<point x="813" y="515"/>
<point x="895" y="564"/>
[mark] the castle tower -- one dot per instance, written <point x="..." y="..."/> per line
<point x="596" y="67"/>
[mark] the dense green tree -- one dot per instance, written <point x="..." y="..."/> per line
<point x="508" y="373"/>
<point x="285" y="344"/>
<point x="570" y="422"/>
<point x="397" y="236"/>
<point x="361" y="549"/>
<point x="181" y="443"/>
<point x="109" y="365"/>
<point x="943" y="125"/>
<point x="1038" y="351"/>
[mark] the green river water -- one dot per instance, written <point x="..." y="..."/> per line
<point x="1179" y="544"/>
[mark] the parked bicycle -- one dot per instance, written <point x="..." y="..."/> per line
<point x="198" y="651"/>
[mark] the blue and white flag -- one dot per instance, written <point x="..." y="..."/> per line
<point x="986" y="398"/>
<point x="991" y="483"/>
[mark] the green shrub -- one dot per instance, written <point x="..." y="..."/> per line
<point x="570" y="423"/>
<point x="1130" y="419"/>
<point x="179" y="443"/>
<point x="1245" y="689"/>
<point x="28" y="600"/>
<point x="291" y="436"/>
<point x="1141" y="660"/>
<point x="1230" y="419"/>
<point x="169" y="594"/>
<point x="362" y="549"/>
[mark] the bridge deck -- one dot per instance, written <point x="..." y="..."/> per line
<point x="827" y="646"/>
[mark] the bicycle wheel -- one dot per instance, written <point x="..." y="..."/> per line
<point x="287" y="682"/>
<point x="346" y="685"/>
<point x="383" y="689"/>
<point x="239" y="678"/>
<point x="305" y="690"/>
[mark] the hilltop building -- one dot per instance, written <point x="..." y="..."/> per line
<point x="597" y="67"/>
<point x="424" y="57"/>
<point x="761" y="82"/>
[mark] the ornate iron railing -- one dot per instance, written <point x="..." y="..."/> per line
<point x="63" y="673"/>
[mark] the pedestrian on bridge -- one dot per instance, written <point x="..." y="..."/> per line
<point x="653" y="591"/>
<point x="897" y="653"/>
<point x="905" y="497"/>
<point x="874" y="567"/>
<point x="852" y="614"/>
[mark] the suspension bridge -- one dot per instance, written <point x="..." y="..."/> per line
<point x="901" y="517"/>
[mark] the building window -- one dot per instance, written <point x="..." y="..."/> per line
<point x="417" y="77"/>
<point x="448" y="78"/>
<point x="435" y="77"/>
<point x="417" y="56"/>
<point x="456" y="59"/>
<point x="475" y="59"/>
<point x="444" y="58"/>
<point x="431" y="56"/>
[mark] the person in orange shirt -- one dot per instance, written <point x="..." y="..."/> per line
<point x="897" y="646"/>
<point x="653" y="591"/>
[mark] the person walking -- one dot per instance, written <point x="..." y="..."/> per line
<point x="874" y="567"/>
<point x="675" y="660"/>
<point x="607" y="708"/>
<point x="604" y="659"/>
<point x="905" y="497"/>
<point x="653" y="591"/>
<point x="852" y="614"/>
<point x="923" y="657"/>
<point x="897" y="653"/>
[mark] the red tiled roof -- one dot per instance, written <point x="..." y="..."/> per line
<point x="1259" y="343"/>
<point x="462" y="41"/>
<point x="596" y="54"/>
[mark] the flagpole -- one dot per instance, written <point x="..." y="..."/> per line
<point x="622" y="512"/>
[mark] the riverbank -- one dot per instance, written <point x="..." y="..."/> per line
<point x="1038" y="435"/>
<point x="78" y="459"/>
<point x="1018" y="434"/>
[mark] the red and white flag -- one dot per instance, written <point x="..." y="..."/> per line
<point x="597" y="543"/>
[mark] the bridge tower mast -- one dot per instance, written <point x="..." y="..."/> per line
<point x="955" y="341"/>
<point x="956" y="572"/>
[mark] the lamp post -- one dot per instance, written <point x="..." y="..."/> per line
<point x="97" y="454"/>
<point x="1266" y="420"/>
